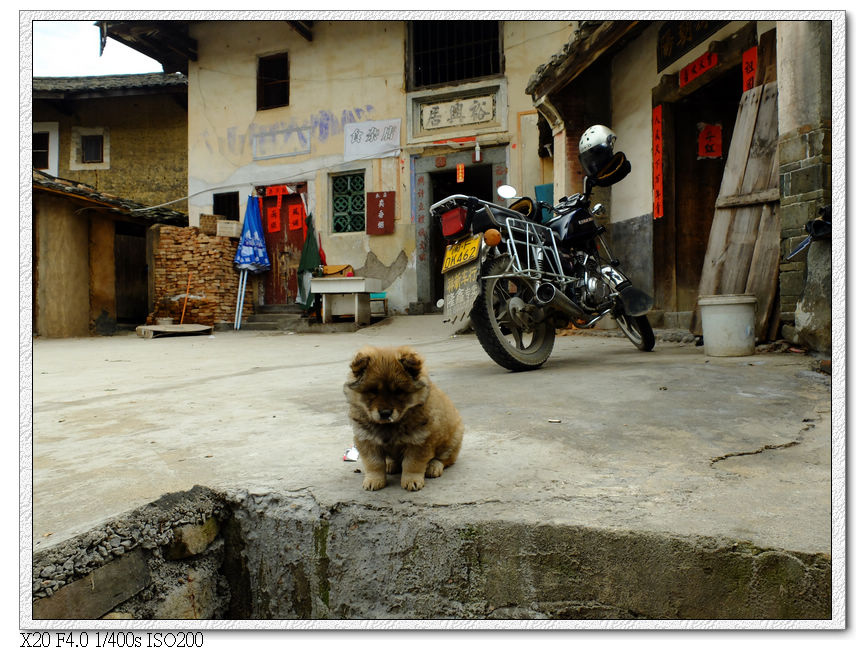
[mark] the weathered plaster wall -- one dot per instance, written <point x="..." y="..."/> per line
<point x="634" y="75"/>
<point x="62" y="269"/>
<point x="147" y="140"/>
<point x="331" y="85"/>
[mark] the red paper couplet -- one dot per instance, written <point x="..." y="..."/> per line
<point x="709" y="141"/>
<point x="295" y="216"/>
<point x="696" y="68"/>
<point x="461" y="173"/>
<point x="273" y="221"/>
<point x="749" y="69"/>
<point x="657" y="163"/>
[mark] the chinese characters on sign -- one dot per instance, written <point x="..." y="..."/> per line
<point x="708" y="141"/>
<point x="678" y="37"/>
<point x="380" y="211"/>
<point x="657" y="163"/>
<point x="376" y="139"/>
<point x="461" y="172"/>
<point x="459" y="112"/>
<point x="749" y="69"/>
<point x="696" y="68"/>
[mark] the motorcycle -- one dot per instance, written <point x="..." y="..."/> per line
<point x="518" y="278"/>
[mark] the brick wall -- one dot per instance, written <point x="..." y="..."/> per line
<point x="186" y="255"/>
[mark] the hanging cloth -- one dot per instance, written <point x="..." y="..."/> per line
<point x="310" y="260"/>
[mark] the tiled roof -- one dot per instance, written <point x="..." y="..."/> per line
<point x="147" y="81"/>
<point x="109" y="202"/>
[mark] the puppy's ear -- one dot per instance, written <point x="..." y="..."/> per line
<point x="411" y="361"/>
<point x="360" y="362"/>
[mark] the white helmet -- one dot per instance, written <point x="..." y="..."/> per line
<point x="596" y="148"/>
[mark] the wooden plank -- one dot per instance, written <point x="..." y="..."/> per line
<point x="764" y="145"/>
<point x="739" y="249"/>
<point x="750" y="159"/>
<point x="763" y="196"/>
<point x="763" y="274"/>
<point x="98" y="592"/>
<point x="740" y="142"/>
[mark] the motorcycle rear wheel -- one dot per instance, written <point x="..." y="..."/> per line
<point x="638" y="330"/>
<point x="511" y="344"/>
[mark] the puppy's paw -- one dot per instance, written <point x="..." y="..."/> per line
<point x="412" y="482"/>
<point x="374" y="482"/>
<point x="434" y="468"/>
<point x="391" y="466"/>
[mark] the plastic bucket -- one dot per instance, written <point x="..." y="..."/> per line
<point x="728" y="324"/>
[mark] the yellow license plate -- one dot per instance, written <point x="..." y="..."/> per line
<point x="461" y="253"/>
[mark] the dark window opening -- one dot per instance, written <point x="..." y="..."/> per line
<point x="227" y="204"/>
<point x="447" y="51"/>
<point x="273" y="81"/>
<point x="91" y="148"/>
<point x="40" y="150"/>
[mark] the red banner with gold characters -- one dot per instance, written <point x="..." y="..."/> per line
<point x="657" y="163"/>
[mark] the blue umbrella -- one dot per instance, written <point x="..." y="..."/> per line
<point x="251" y="252"/>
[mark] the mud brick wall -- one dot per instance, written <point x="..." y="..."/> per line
<point x="206" y="262"/>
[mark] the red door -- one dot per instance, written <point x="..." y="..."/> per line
<point x="284" y="225"/>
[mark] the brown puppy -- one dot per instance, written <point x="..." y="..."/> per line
<point x="401" y="420"/>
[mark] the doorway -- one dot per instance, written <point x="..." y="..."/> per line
<point x="283" y="220"/>
<point x="130" y="273"/>
<point x="478" y="182"/>
<point x="710" y="112"/>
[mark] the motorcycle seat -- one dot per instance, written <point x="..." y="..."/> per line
<point x="527" y="208"/>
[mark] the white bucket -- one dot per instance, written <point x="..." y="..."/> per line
<point x="728" y="324"/>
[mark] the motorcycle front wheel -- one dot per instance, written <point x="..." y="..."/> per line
<point x="502" y="320"/>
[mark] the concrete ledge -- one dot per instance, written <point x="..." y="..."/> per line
<point x="352" y="562"/>
<point x="286" y="556"/>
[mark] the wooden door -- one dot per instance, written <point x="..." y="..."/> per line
<point x="130" y="273"/>
<point x="698" y="174"/>
<point x="283" y="220"/>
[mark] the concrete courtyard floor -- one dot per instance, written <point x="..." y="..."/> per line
<point x="603" y="436"/>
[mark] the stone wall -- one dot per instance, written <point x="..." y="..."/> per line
<point x="805" y="166"/>
<point x="187" y="257"/>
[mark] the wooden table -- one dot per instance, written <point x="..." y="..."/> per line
<point x="345" y="296"/>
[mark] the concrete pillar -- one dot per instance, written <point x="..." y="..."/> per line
<point x="804" y="51"/>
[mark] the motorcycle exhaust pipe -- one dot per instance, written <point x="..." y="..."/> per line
<point x="548" y="295"/>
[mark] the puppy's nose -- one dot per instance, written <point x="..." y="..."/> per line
<point x="385" y="414"/>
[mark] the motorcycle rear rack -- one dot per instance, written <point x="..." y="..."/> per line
<point x="540" y="243"/>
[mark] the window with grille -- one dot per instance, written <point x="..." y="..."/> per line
<point x="349" y="203"/>
<point x="91" y="148"/>
<point x="447" y="51"/>
<point x="40" y="150"/>
<point x="273" y="81"/>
